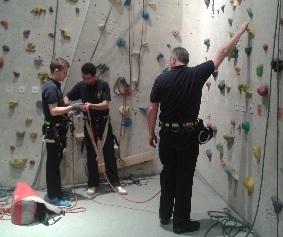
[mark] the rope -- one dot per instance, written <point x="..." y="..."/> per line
<point x="101" y="32"/>
<point x="55" y="28"/>
<point x="90" y="132"/>
<point x="231" y="226"/>
<point x="4" y="210"/>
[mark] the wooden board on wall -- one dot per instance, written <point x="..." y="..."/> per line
<point x="130" y="160"/>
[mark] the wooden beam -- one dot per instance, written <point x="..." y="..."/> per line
<point x="130" y="160"/>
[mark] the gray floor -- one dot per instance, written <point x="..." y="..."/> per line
<point x="108" y="214"/>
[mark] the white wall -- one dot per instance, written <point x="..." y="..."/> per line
<point x="195" y="22"/>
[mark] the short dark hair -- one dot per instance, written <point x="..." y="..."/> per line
<point x="58" y="63"/>
<point x="88" y="68"/>
<point x="181" y="54"/>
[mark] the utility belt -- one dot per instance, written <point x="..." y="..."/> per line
<point x="178" y="126"/>
<point x="203" y="133"/>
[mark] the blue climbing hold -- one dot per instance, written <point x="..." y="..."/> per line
<point x="121" y="42"/>
<point x="126" y="122"/>
<point x="159" y="56"/>
<point x="145" y="15"/>
<point x="143" y="108"/>
<point x="127" y="2"/>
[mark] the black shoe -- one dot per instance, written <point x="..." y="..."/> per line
<point x="188" y="227"/>
<point x="164" y="221"/>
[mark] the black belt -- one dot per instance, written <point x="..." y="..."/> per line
<point x="178" y="125"/>
<point x="96" y="117"/>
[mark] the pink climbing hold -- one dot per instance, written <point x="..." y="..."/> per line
<point x="265" y="47"/>
<point x="175" y="32"/>
<point x="4" y="23"/>
<point x="263" y="90"/>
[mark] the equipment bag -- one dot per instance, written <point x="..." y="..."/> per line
<point x="25" y="205"/>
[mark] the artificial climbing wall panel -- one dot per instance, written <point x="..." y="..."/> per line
<point x="230" y="108"/>
<point x="28" y="43"/>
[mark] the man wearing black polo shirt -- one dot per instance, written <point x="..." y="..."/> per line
<point x="179" y="92"/>
<point x="95" y="94"/>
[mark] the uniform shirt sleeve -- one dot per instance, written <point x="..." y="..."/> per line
<point x="105" y="90"/>
<point x="74" y="93"/>
<point x="204" y="70"/>
<point x="155" y="91"/>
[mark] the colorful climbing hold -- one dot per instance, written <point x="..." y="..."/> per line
<point x="250" y="12"/>
<point x="219" y="147"/>
<point x="208" y="153"/>
<point x="256" y="151"/>
<point x="16" y="74"/>
<point x="221" y="84"/>
<point x="229" y="138"/>
<point x="102" y="67"/>
<point x="4" y="23"/>
<point x="26" y="33"/>
<point x="159" y="56"/>
<point x="246" y="125"/>
<point x="230" y="20"/>
<point x="18" y="161"/>
<point x="238" y="70"/>
<point x="126" y="122"/>
<point x="38" y="60"/>
<point x="121" y="42"/>
<point x="251" y="28"/>
<point x="145" y="15"/>
<point x="30" y="47"/>
<point x="65" y="34"/>
<point x="175" y="32"/>
<point x="263" y="90"/>
<point x="277" y="64"/>
<point x="1" y="60"/>
<point x="124" y="110"/>
<point x="234" y="53"/>
<point x="265" y="47"/>
<point x="143" y="108"/>
<point x="248" y="50"/>
<point x="249" y="183"/>
<point x="127" y="2"/>
<point x="259" y="70"/>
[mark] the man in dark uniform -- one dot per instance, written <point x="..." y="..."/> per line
<point x="95" y="94"/>
<point x="55" y="129"/>
<point x="179" y="92"/>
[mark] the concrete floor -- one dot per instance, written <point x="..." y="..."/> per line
<point x="108" y="214"/>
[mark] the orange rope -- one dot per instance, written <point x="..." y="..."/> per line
<point x="90" y="132"/>
<point x="5" y="210"/>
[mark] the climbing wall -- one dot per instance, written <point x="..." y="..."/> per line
<point x="122" y="38"/>
<point x="240" y="103"/>
<point x="29" y="38"/>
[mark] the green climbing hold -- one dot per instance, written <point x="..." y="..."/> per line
<point x="246" y="125"/>
<point x="234" y="53"/>
<point x="230" y="20"/>
<point x="250" y="12"/>
<point x="219" y="147"/>
<point x="221" y="85"/>
<point x="259" y="70"/>
<point x="248" y="50"/>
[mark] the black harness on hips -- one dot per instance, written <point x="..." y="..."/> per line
<point x="56" y="131"/>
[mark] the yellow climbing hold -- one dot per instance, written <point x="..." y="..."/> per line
<point x="12" y="104"/>
<point x="42" y="75"/>
<point x="30" y="47"/>
<point x="18" y="161"/>
<point x="256" y="151"/>
<point x="65" y="34"/>
<point x="33" y="134"/>
<point x="249" y="183"/>
<point x="238" y="70"/>
<point x="38" y="10"/>
<point x="251" y="28"/>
